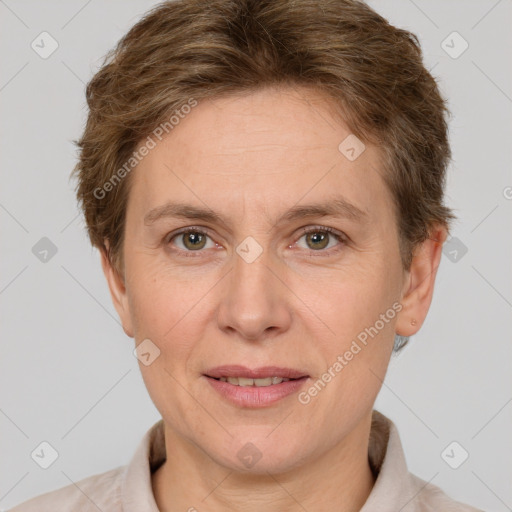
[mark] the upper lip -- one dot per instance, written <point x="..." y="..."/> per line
<point x="254" y="373"/>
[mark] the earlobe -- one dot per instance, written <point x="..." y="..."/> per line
<point x="118" y="291"/>
<point x="419" y="287"/>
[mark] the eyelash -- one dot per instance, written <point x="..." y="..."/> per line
<point x="340" y="237"/>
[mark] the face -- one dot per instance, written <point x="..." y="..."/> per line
<point x="253" y="241"/>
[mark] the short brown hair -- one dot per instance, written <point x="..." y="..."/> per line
<point x="195" y="49"/>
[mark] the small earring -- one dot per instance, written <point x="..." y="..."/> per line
<point x="413" y="322"/>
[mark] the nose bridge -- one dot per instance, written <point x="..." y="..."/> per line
<point x="250" y="270"/>
<point x="251" y="289"/>
<point x="253" y="303"/>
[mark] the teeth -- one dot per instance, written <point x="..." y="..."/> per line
<point x="242" y="381"/>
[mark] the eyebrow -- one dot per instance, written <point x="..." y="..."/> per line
<point x="338" y="207"/>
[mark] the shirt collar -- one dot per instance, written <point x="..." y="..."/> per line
<point x="137" y="490"/>
<point x="392" y="490"/>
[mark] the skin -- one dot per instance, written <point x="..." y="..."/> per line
<point x="250" y="158"/>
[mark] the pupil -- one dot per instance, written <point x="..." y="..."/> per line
<point x="316" y="238"/>
<point x="194" y="240"/>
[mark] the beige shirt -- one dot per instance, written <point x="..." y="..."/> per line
<point x="128" y="488"/>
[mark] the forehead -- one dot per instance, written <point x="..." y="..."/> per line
<point x="266" y="149"/>
<point x="278" y="122"/>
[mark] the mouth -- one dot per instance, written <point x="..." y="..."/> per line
<point x="259" y="383"/>
<point x="257" y="387"/>
<point x="262" y="376"/>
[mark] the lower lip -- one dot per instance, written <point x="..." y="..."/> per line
<point x="253" y="396"/>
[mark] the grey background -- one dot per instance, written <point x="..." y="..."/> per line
<point x="68" y="375"/>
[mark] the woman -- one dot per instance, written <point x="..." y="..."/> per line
<point x="264" y="181"/>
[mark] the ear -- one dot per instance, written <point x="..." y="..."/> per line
<point x="117" y="291"/>
<point x="419" y="285"/>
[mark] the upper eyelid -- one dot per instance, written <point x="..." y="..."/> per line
<point x="330" y="230"/>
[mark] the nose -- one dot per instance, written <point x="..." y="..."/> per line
<point x="255" y="303"/>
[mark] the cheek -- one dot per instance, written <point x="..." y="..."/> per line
<point x="360" y="308"/>
<point x="155" y="296"/>
<point x="169" y="308"/>
<point x="352" y="298"/>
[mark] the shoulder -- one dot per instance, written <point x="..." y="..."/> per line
<point x="96" y="492"/>
<point x="432" y="499"/>
<point x="396" y="488"/>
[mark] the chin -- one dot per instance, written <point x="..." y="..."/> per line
<point x="260" y="454"/>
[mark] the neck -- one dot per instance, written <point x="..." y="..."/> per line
<point x="339" y="479"/>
